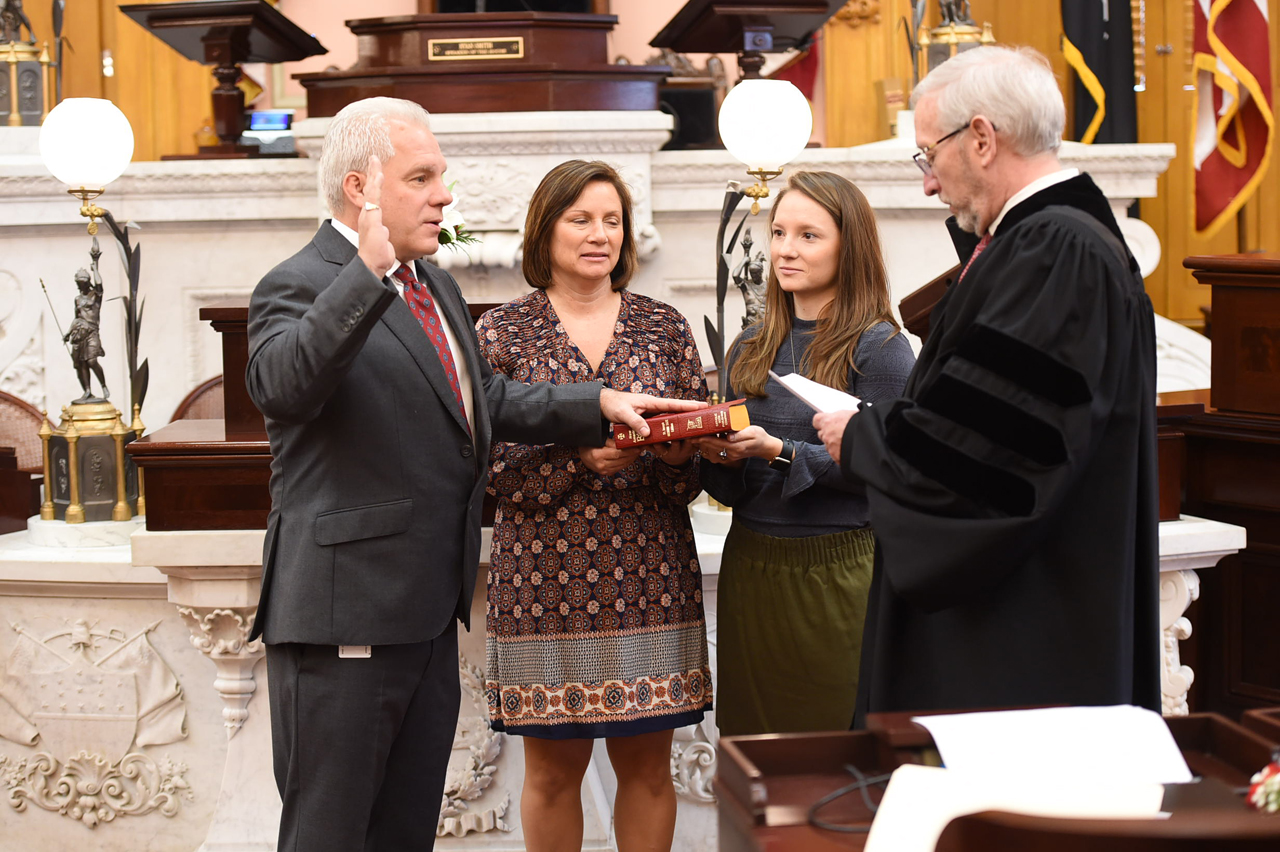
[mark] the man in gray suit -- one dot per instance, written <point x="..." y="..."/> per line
<point x="380" y="414"/>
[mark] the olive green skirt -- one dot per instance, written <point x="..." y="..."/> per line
<point x="790" y="614"/>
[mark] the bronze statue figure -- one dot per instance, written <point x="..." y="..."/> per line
<point x="86" y="345"/>
<point x="12" y="20"/>
<point x="956" y="12"/>
<point x="749" y="276"/>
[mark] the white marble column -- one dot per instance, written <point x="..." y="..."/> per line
<point x="218" y="603"/>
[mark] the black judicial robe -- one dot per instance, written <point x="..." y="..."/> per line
<point x="1013" y="486"/>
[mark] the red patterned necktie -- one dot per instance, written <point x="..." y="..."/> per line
<point x="424" y="308"/>
<point x="977" y="250"/>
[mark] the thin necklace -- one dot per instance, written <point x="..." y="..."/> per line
<point x="795" y="368"/>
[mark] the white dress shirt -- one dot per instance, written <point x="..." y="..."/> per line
<point x="460" y="364"/>
<point x="1030" y="190"/>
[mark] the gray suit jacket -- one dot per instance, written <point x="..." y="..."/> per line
<point x="374" y="531"/>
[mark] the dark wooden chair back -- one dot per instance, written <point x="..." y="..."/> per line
<point x="203" y="403"/>
<point x="20" y="429"/>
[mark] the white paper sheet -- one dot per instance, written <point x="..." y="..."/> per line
<point x="817" y="396"/>
<point x="921" y="800"/>
<point x="1122" y="744"/>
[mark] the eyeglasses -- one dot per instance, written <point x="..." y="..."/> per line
<point x="923" y="158"/>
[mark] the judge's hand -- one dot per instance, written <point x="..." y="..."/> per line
<point x="831" y="426"/>
<point x="674" y="453"/>
<point x="375" y="240"/>
<point x="629" y="408"/>
<point x="740" y="445"/>
<point x="608" y="460"/>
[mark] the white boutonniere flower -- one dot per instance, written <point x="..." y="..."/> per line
<point x="453" y="230"/>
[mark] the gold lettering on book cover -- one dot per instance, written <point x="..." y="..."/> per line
<point x="634" y="437"/>
<point x="694" y="423"/>
<point x="668" y="428"/>
<point x="722" y="418"/>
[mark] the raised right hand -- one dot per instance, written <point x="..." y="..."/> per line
<point x="608" y="460"/>
<point x="375" y="240"/>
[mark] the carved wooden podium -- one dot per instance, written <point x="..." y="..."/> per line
<point x="1233" y="475"/>
<point x="487" y="62"/>
<point x="226" y="33"/>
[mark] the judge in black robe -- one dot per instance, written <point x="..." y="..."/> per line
<point x="1013" y="486"/>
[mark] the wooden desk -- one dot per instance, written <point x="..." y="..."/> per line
<point x="766" y="784"/>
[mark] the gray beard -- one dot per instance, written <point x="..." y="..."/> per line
<point x="967" y="220"/>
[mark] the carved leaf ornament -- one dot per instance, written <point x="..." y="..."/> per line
<point x="858" y="12"/>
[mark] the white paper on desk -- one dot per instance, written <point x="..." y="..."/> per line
<point x="819" y="397"/>
<point x="1122" y="744"/>
<point x="921" y="800"/>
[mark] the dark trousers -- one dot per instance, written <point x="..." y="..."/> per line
<point x="362" y="745"/>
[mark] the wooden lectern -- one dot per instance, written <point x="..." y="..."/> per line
<point x="226" y="33"/>
<point x="1233" y="475"/>
<point x="745" y="27"/>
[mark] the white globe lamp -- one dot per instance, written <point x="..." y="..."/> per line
<point x="765" y="124"/>
<point x="86" y="143"/>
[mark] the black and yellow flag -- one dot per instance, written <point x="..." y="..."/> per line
<point x="1097" y="41"/>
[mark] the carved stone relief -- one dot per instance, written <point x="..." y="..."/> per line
<point x="494" y="194"/>
<point x="467" y="781"/>
<point x="694" y="750"/>
<point x="90" y="698"/>
<point x="21" y="356"/>
<point x="204" y="351"/>
<point x="24" y="376"/>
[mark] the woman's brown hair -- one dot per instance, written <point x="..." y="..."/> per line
<point x="558" y="191"/>
<point x="861" y="295"/>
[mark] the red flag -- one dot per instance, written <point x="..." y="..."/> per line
<point x="801" y="72"/>
<point x="1233" y="124"/>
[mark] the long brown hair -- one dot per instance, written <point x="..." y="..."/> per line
<point x="561" y="187"/>
<point x="861" y="296"/>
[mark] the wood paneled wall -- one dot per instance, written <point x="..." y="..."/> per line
<point x="856" y="51"/>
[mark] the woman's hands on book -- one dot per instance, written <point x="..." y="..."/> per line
<point x="674" y="453"/>
<point x="608" y="460"/>
<point x="734" y="448"/>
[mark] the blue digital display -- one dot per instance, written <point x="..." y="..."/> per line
<point x="270" y="120"/>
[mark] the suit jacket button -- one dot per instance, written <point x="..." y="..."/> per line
<point x="467" y="451"/>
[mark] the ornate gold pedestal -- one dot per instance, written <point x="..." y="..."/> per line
<point x="88" y="476"/>
<point x="939" y="44"/>
<point x="27" y="86"/>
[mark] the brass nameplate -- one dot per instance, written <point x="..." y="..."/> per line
<point x="506" y="47"/>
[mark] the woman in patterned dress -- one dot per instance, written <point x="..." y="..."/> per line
<point x="595" y="620"/>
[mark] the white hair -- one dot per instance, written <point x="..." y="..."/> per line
<point x="1013" y="87"/>
<point x="359" y="131"/>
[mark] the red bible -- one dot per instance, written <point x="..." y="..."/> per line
<point x="725" y="417"/>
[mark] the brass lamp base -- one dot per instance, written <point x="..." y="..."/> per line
<point x="88" y="209"/>
<point x="759" y="189"/>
